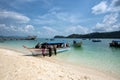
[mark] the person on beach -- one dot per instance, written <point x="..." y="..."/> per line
<point x="43" y="50"/>
<point x="54" y="48"/>
<point x="50" y="50"/>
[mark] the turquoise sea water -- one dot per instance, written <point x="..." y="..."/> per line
<point x="96" y="55"/>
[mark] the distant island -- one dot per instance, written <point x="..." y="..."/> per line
<point x="17" y="38"/>
<point x="114" y="34"/>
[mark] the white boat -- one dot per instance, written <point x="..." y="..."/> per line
<point x="60" y="48"/>
<point x="30" y="38"/>
<point x="96" y="40"/>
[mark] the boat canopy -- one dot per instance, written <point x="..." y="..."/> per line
<point x="52" y="43"/>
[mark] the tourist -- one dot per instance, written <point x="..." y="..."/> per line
<point x="50" y="50"/>
<point x="54" y="48"/>
<point x="43" y="50"/>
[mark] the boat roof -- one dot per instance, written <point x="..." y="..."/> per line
<point x="51" y="43"/>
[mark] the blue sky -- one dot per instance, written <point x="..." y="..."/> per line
<point x="47" y="18"/>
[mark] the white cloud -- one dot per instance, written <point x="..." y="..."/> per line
<point x="104" y="7"/>
<point x="78" y="29"/>
<point x="13" y="23"/>
<point x="16" y="30"/>
<point x="25" y="29"/>
<point x="114" y="6"/>
<point x="100" y="27"/>
<point x="54" y="9"/>
<point x="17" y="17"/>
<point x="47" y="2"/>
<point x="56" y="16"/>
<point x="23" y="1"/>
<point x="111" y="18"/>
<point x="28" y="0"/>
<point x="44" y="21"/>
<point x="110" y="23"/>
<point x="117" y="3"/>
<point x="2" y="26"/>
<point x="49" y="30"/>
<point x="19" y="4"/>
<point x="100" y="8"/>
<point x="62" y="20"/>
<point x="3" y="29"/>
<point x="29" y="28"/>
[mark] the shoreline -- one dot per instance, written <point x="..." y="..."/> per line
<point x="81" y="67"/>
<point x="85" y="67"/>
<point x="44" y="68"/>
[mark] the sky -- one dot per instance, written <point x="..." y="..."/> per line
<point x="47" y="18"/>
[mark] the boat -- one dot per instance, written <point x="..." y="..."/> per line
<point x="30" y="38"/>
<point x="52" y="39"/>
<point x="115" y="43"/>
<point x="96" y="40"/>
<point x="77" y="44"/>
<point x="83" y="38"/>
<point x="60" y="47"/>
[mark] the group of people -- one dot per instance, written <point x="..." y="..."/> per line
<point x="45" y="46"/>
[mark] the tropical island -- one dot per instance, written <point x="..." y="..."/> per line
<point x="114" y="34"/>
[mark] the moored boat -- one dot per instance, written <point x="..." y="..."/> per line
<point x="77" y="44"/>
<point x="31" y="38"/>
<point x="96" y="40"/>
<point x="60" y="47"/>
<point x="115" y="43"/>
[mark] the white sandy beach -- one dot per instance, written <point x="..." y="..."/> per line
<point x="15" y="66"/>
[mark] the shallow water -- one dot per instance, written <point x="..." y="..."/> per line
<point x="92" y="54"/>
